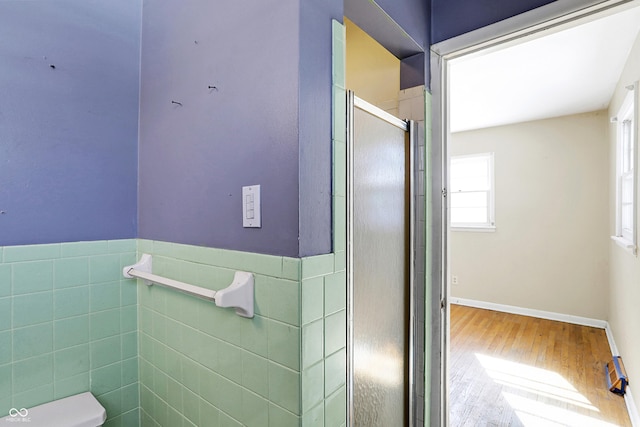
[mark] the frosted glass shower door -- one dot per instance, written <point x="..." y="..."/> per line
<point x="379" y="297"/>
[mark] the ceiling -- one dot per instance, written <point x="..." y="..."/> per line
<point x="568" y="72"/>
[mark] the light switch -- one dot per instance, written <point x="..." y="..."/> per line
<point x="251" y="207"/>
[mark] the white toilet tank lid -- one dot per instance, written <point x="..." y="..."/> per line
<point x="81" y="410"/>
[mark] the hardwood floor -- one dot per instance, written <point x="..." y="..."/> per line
<point x="511" y="370"/>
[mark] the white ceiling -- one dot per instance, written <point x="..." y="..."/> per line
<point x="568" y="72"/>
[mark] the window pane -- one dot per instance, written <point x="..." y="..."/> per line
<point x="626" y="197"/>
<point x="470" y="208"/>
<point x="626" y="188"/>
<point x="627" y="217"/>
<point x="627" y="146"/>
<point x="469" y="216"/>
<point x="477" y="199"/>
<point x="471" y="189"/>
<point x="470" y="173"/>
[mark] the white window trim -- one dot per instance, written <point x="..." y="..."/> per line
<point x="476" y="229"/>
<point x="624" y="244"/>
<point x="490" y="227"/>
<point x="630" y="101"/>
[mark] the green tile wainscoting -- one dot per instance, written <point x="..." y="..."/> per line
<point x="68" y="324"/>
<point x="202" y="365"/>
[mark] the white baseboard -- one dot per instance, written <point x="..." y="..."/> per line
<point x="549" y="315"/>
<point x="632" y="409"/>
<point x="612" y="343"/>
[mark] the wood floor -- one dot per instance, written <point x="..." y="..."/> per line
<point x="510" y="370"/>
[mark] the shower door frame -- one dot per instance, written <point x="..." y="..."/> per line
<point x="416" y="186"/>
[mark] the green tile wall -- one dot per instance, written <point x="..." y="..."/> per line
<point x="68" y="324"/>
<point x="324" y="282"/>
<point x="323" y="341"/>
<point x="202" y="365"/>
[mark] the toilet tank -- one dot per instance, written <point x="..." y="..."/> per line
<point x="81" y="410"/>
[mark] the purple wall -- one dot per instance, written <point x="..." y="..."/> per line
<point x="267" y="122"/>
<point x="315" y="123"/>
<point x="451" y="18"/>
<point x="68" y="134"/>
<point x="412" y="15"/>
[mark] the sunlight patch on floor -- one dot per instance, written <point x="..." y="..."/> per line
<point x="536" y="413"/>
<point x="544" y="386"/>
<point x="535" y="380"/>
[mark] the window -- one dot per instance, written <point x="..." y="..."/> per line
<point x="626" y="173"/>
<point x="471" y="191"/>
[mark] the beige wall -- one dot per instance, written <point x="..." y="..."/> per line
<point x="624" y="277"/>
<point x="550" y="248"/>
<point x="373" y="73"/>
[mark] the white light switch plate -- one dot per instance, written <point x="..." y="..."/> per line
<point x="251" y="217"/>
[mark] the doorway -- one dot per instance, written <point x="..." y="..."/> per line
<point x="520" y="31"/>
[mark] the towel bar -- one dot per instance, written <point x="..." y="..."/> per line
<point x="239" y="294"/>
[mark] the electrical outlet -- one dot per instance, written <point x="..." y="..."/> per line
<point x="454" y="280"/>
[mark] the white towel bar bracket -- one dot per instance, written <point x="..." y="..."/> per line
<point x="238" y="295"/>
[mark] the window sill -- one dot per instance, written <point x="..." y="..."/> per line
<point x="624" y="244"/>
<point x="482" y="229"/>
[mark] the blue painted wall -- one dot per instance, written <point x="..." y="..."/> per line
<point x="70" y="145"/>
<point x="267" y="122"/>
<point x="413" y="16"/>
<point x="315" y="123"/>
<point x="451" y="18"/>
<point x="68" y="134"/>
